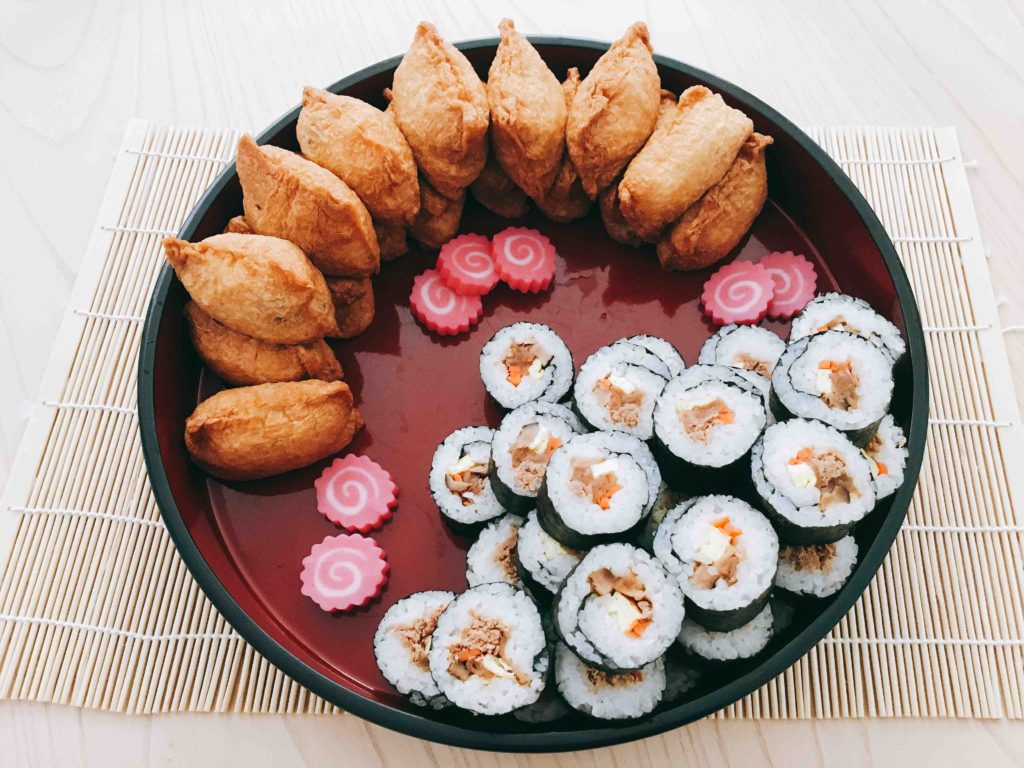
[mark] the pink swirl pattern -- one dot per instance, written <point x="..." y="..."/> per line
<point x="796" y="283"/>
<point x="356" y="493"/>
<point x="738" y="293"/>
<point x="343" y="572"/>
<point x="439" y="308"/>
<point x="467" y="266"/>
<point x="524" y="258"/>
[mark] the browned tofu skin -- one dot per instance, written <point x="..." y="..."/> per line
<point x="353" y="305"/>
<point x="439" y="217"/>
<point x="496" y="192"/>
<point x="392" y="240"/>
<point x="565" y="200"/>
<point x="255" y="432"/>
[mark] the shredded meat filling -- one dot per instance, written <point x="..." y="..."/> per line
<point x="844" y="382"/>
<point x="698" y="421"/>
<point x="519" y="358"/>
<point x="604" y="582"/>
<point x="416" y="636"/>
<point x="707" y="575"/>
<point x="623" y="407"/>
<point x="528" y="463"/>
<point x="831" y="478"/>
<point x="484" y="638"/>
<point x="503" y="557"/>
<point x="468" y="484"/>
<point x="837" y="323"/>
<point x="598" y="488"/>
<point x="751" y="363"/>
<point x="816" y="557"/>
<point x="874" y="444"/>
<point x="598" y="679"/>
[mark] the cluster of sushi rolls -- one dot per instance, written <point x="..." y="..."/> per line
<point x="816" y="570"/>
<point x="837" y="311"/>
<point x="723" y="554"/>
<point x="459" y="480"/>
<point x="521" y="449"/>
<point x="837" y="377"/>
<point x="750" y="349"/>
<point x="488" y="653"/>
<point x="619" y="609"/>
<point x="618" y="385"/>
<point x="524" y="362"/>
<point x="491" y="558"/>
<point x="402" y="642"/>
<point x="813" y="482"/>
<point x="705" y="424"/>
<point x="599" y="487"/>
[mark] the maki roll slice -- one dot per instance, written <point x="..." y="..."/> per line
<point x="750" y="349"/>
<point x="887" y="454"/>
<point x="520" y="453"/>
<point x="681" y="676"/>
<point x="609" y="695"/>
<point x="814" y="484"/>
<point x="661" y="349"/>
<point x="401" y="643"/>
<point x="724" y="554"/>
<point x="543" y="562"/>
<point x="488" y="654"/>
<point x="816" y="570"/>
<point x="837" y="311"/>
<point x="705" y="423"/>
<point x="617" y="388"/>
<point x="597" y="488"/>
<point x="618" y="609"/>
<point x="524" y="362"/>
<point x="837" y="377"/>
<point x="491" y="558"/>
<point x="459" y="482"/>
<point x="743" y="642"/>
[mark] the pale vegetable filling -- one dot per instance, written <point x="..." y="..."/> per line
<point x="825" y="471"/>
<point x="718" y="556"/>
<point x="624" y="598"/>
<point x="620" y="398"/>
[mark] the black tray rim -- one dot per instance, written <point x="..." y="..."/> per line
<point x="602" y="733"/>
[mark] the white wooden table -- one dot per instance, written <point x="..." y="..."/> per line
<point x="72" y="73"/>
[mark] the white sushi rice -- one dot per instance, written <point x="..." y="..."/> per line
<point x="487" y="557"/>
<point x="852" y="314"/>
<point x="682" y="539"/>
<point x="547" y="561"/>
<point x="784" y="489"/>
<point x="641" y="354"/>
<point x="663" y="349"/>
<point x="552" y="383"/>
<point x="742" y="643"/>
<point x="580" y="513"/>
<point x="737" y="345"/>
<point x="629" y="368"/>
<point x="547" y="709"/>
<point x="621" y="442"/>
<point x="563" y="412"/>
<point x="525" y="649"/>
<point x="594" y="626"/>
<point x="888" y="449"/>
<point x="477" y="442"/>
<point x="726" y="442"/>
<point x="799" y="382"/>
<point x="819" y="582"/>
<point x="508" y="433"/>
<point x="610" y="697"/>
<point x="394" y="657"/>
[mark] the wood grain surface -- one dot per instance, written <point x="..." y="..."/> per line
<point x="72" y="73"/>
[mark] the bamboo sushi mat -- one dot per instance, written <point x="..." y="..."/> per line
<point x="97" y="609"/>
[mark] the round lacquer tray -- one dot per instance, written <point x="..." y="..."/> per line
<point x="244" y="542"/>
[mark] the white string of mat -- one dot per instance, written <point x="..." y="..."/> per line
<point x="117" y="632"/>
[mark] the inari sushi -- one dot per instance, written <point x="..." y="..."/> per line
<point x="837" y="377"/>
<point x="458" y="478"/>
<point x="619" y="609"/>
<point x="837" y="311"/>
<point x="524" y="362"/>
<point x="814" y="484"/>
<point x="724" y="554"/>
<point x="618" y="386"/>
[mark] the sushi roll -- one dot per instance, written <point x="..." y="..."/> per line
<point x="836" y="377"/>
<point x="887" y="454"/>
<point x="617" y="388"/>
<point x="743" y="642"/>
<point x="832" y="311"/>
<point x="724" y="554"/>
<point x="492" y="556"/>
<point x="609" y="695"/>
<point x="681" y="676"/>
<point x="661" y="349"/>
<point x="542" y="561"/>
<point x="488" y="654"/>
<point x="459" y="481"/>
<point x="618" y="609"/>
<point x="668" y="498"/>
<point x="705" y="423"/>
<point x="597" y="488"/>
<point x="814" y="484"/>
<point x="750" y="349"/>
<point x="524" y="362"/>
<point x="401" y="643"/>
<point x="816" y="570"/>
<point x="520" y="452"/>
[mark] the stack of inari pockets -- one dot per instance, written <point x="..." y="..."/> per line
<point x="686" y="173"/>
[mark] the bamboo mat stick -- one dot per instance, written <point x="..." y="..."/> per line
<point x="97" y="609"/>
